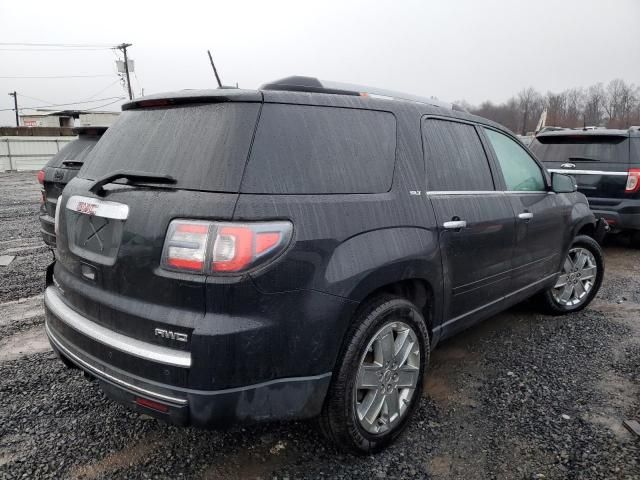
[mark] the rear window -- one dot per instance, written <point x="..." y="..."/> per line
<point x="75" y="151"/>
<point x="634" y="154"/>
<point x="302" y="149"/>
<point x="204" y="147"/>
<point x="581" y="148"/>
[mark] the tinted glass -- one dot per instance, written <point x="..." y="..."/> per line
<point x="634" y="154"/>
<point x="75" y="151"/>
<point x="204" y="147"/>
<point x="455" y="159"/>
<point x="581" y="148"/>
<point x="520" y="171"/>
<point x="313" y="150"/>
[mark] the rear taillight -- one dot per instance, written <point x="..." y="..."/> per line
<point x="41" y="177"/>
<point x="56" y="219"/>
<point x="633" y="181"/>
<point x="223" y="248"/>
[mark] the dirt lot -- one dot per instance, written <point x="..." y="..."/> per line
<point x="520" y="396"/>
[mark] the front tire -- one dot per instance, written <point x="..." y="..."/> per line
<point x="378" y="382"/>
<point x="579" y="280"/>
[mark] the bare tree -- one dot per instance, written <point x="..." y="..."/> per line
<point x="556" y="104"/>
<point x="529" y="102"/>
<point x="617" y="106"/>
<point x="594" y="105"/>
<point x="575" y="107"/>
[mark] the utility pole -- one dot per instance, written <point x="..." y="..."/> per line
<point x="214" y="69"/>
<point x="14" y="94"/>
<point x="123" y="47"/>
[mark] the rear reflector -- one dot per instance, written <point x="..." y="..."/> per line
<point x="223" y="248"/>
<point x="157" y="406"/>
<point x="633" y="181"/>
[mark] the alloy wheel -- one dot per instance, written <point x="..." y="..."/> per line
<point x="387" y="377"/>
<point x="577" y="278"/>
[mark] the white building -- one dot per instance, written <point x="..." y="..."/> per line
<point x="67" y="118"/>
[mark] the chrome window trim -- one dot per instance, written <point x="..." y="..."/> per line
<point x="465" y="192"/>
<point x="488" y="192"/>
<point x="586" y="172"/>
<point x="155" y="353"/>
<point x="530" y="192"/>
<point x="101" y="208"/>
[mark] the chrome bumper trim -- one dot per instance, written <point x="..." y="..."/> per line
<point x="105" y="376"/>
<point x="587" y="172"/>
<point x="131" y="346"/>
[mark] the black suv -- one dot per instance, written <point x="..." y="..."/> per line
<point x="233" y="255"/>
<point x="59" y="171"/>
<point x="606" y="165"/>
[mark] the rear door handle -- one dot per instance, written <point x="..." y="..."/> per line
<point x="525" y="216"/>
<point x="454" y="224"/>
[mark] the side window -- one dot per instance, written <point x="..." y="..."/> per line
<point x="521" y="172"/>
<point x="455" y="159"/>
<point x="300" y="149"/>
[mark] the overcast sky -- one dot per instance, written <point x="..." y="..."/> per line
<point x="464" y="49"/>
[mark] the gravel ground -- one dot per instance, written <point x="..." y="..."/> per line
<point x="19" y="237"/>
<point x="520" y="396"/>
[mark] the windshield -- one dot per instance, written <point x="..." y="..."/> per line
<point x="585" y="148"/>
<point x="204" y="147"/>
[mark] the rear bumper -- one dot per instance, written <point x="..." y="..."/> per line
<point x="47" y="229"/>
<point x="279" y="399"/>
<point x="624" y="215"/>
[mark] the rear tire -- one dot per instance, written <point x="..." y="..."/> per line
<point x="378" y="380"/>
<point x="635" y="238"/>
<point x="579" y="280"/>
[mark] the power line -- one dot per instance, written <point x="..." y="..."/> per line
<point x="68" y="45"/>
<point x="105" y="88"/>
<point x="55" y="49"/>
<point x="59" y="76"/>
<point x="106" y="104"/>
<point x="66" y="104"/>
<point x="34" y="98"/>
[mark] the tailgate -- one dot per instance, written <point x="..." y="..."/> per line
<point x="110" y="242"/>
<point x="109" y="252"/>
<point x="55" y="179"/>
<point x="599" y="162"/>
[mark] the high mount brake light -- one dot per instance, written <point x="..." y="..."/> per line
<point x="223" y="247"/>
<point x="633" y="181"/>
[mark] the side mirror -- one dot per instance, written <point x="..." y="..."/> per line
<point x="561" y="183"/>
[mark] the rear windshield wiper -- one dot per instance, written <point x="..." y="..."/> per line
<point x="133" y="177"/>
<point x="72" y="163"/>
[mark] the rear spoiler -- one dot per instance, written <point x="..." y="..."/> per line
<point x="186" y="97"/>
<point x="94" y="131"/>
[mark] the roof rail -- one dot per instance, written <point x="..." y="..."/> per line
<point x="312" y="84"/>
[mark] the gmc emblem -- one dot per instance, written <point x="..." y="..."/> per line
<point x="169" y="335"/>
